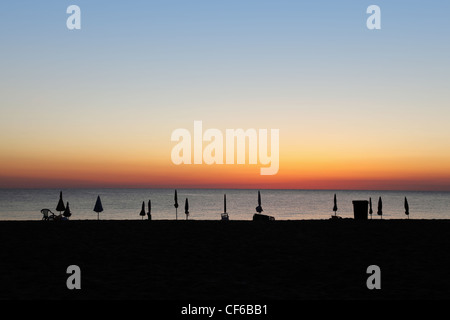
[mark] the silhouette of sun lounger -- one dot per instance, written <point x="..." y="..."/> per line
<point x="262" y="217"/>
<point x="47" y="214"/>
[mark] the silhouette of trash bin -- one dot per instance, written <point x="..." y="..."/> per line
<point x="360" y="209"/>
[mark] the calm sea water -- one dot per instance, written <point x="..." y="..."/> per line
<point x="207" y="204"/>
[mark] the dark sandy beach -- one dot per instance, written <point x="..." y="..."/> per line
<point x="225" y="260"/>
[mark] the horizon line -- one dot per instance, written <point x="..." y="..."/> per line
<point x="216" y="188"/>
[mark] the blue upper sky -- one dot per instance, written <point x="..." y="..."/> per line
<point x="310" y="68"/>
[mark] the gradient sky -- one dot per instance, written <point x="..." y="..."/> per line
<point x="356" y="109"/>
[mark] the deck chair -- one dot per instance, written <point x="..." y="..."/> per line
<point x="47" y="214"/>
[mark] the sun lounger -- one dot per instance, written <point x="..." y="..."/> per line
<point x="262" y="217"/>
<point x="47" y="214"/>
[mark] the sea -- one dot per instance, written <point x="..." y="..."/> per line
<point x="208" y="204"/>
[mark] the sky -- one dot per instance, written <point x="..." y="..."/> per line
<point x="95" y="107"/>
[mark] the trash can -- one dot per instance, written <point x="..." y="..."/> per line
<point x="360" y="209"/>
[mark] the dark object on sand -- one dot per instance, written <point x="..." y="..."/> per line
<point x="47" y="215"/>
<point x="149" y="213"/>
<point x="60" y="207"/>
<point x="225" y="214"/>
<point x="335" y="208"/>
<point x="186" y="208"/>
<point x="360" y="209"/>
<point x="176" y="205"/>
<point x="406" y="207"/>
<point x="67" y="212"/>
<point x="98" y="207"/>
<point x="225" y="203"/>
<point x="258" y="216"/>
<point x="259" y="209"/>
<point x="370" y="208"/>
<point x="262" y="217"/>
<point x="380" y="208"/>
<point x="142" y="213"/>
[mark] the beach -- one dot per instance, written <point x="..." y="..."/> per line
<point x="214" y="260"/>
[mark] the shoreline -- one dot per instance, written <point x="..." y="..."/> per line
<point x="218" y="220"/>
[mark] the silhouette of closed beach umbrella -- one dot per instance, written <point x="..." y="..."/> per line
<point x="259" y="209"/>
<point x="406" y="207"/>
<point x="224" y="203"/>
<point x="142" y="213"/>
<point x="98" y="207"/>
<point x="60" y="207"/>
<point x="335" y="208"/>
<point x="370" y="207"/>
<point x="149" y="214"/>
<point x="67" y="212"/>
<point x="186" y="208"/>
<point x="176" y="205"/>
<point x="380" y="208"/>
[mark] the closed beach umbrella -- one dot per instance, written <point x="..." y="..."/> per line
<point x="60" y="207"/>
<point x="335" y="208"/>
<point x="98" y="207"/>
<point x="380" y="208"/>
<point x="149" y="214"/>
<point x="67" y="212"/>
<point x="176" y="205"/>
<point x="406" y="207"/>
<point x="259" y="209"/>
<point x="224" y="203"/>
<point x="224" y="215"/>
<point x="186" y="208"/>
<point x="370" y="207"/>
<point x="142" y="213"/>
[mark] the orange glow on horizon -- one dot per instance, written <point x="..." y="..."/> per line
<point x="387" y="174"/>
<point x="307" y="164"/>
